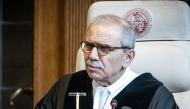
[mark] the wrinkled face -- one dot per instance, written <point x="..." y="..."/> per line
<point x="105" y="68"/>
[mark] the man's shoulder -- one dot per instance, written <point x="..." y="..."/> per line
<point x="77" y="76"/>
<point x="147" y="78"/>
<point x="79" y="73"/>
<point x="80" y="76"/>
<point x="139" y="91"/>
<point x="79" y="82"/>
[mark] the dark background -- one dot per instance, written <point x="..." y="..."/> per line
<point x="16" y="54"/>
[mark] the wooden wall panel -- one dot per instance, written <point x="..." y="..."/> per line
<point x="59" y="27"/>
<point x="45" y="46"/>
<point x="74" y="24"/>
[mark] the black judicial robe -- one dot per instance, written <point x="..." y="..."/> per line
<point x="144" y="92"/>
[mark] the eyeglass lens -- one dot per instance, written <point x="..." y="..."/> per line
<point x="87" y="47"/>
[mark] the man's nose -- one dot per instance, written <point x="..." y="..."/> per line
<point x="94" y="54"/>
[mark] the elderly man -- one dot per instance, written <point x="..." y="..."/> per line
<point x="108" y="51"/>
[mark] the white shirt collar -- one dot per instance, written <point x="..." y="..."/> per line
<point x="116" y="87"/>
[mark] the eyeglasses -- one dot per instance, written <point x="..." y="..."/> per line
<point x="103" y="49"/>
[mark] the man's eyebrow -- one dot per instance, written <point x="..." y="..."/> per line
<point x="106" y="45"/>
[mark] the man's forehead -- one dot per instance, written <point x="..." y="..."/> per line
<point x="106" y="24"/>
<point x="111" y="36"/>
<point x="104" y="28"/>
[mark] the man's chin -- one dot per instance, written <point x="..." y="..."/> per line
<point x="93" y="75"/>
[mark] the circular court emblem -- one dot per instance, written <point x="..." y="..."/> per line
<point x="140" y="20"/>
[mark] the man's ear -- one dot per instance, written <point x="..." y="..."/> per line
<point x="129" y="56"/>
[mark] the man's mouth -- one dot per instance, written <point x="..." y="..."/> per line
<point x="92" y="67"/>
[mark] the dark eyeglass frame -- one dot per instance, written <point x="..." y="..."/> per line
<point x="98" y="47"/>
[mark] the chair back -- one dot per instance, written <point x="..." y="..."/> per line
<point x="163" y="41"/>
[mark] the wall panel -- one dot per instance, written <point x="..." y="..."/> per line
<point x="46" y="52"/>
<point x="59" y="27"/>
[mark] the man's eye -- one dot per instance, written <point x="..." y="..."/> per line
<point x="89" y="44"/>
<point x="103" y="48"/>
